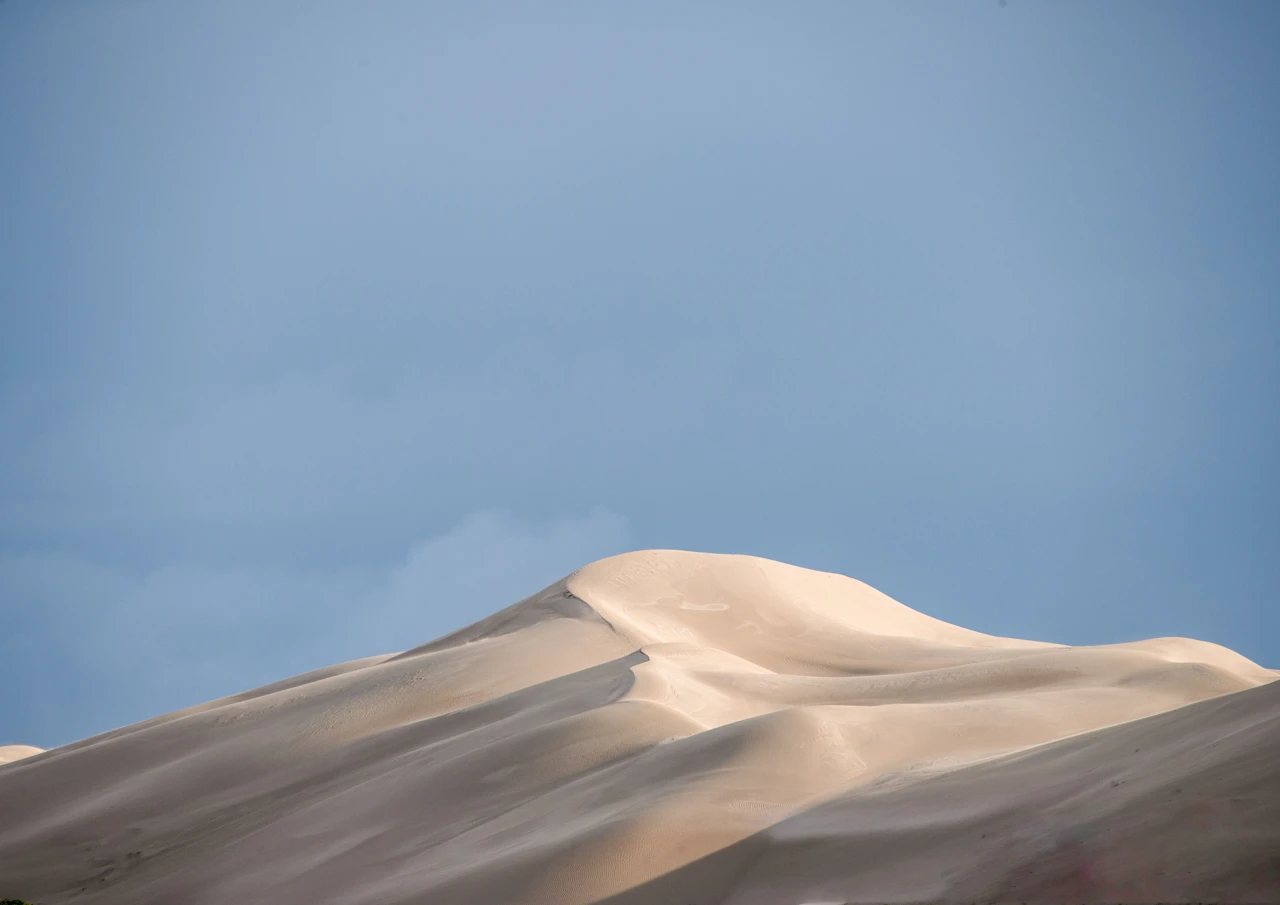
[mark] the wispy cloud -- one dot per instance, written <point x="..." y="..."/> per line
<point x="98" y="647"/>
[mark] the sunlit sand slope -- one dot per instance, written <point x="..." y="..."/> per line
<point x="676" y="727"/>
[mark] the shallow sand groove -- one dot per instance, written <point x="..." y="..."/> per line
<point x="668" y="727"/>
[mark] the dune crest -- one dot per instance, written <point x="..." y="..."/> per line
<point x="662" y="724"/>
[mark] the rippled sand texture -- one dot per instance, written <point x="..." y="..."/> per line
<point x="666" y="727"/>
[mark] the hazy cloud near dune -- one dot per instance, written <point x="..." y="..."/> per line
<point x="130" y="646"/>
<point x="490" y="559"/>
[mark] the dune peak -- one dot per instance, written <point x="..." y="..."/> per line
<point x="664" y="726"/>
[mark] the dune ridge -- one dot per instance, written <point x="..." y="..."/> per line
<point x="662" y="724"/>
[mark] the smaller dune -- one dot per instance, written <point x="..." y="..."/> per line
<point x="10" y="753"/>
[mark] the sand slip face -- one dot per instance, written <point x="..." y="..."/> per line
<point x="664" y="725"/>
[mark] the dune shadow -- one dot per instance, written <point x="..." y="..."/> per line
<point x="1179" y="807"/>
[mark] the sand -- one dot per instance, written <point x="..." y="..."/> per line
<point x="10" y="753"/>
<point x="668" y="727"/>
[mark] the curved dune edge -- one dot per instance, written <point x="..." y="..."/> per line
<point x="665" y="723"/>
<point x="10" y="753"/>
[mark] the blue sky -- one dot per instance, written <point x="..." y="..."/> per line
<point x="331" y="327"/>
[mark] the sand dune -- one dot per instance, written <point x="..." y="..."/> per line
<point x="674" y="727"/>
<point x="10" y="753"/>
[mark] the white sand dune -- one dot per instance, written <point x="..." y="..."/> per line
<point x="667" y="727"/>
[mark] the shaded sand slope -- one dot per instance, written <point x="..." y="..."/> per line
<point x="666" y="726"/>
<point x="1183" y="806"/>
